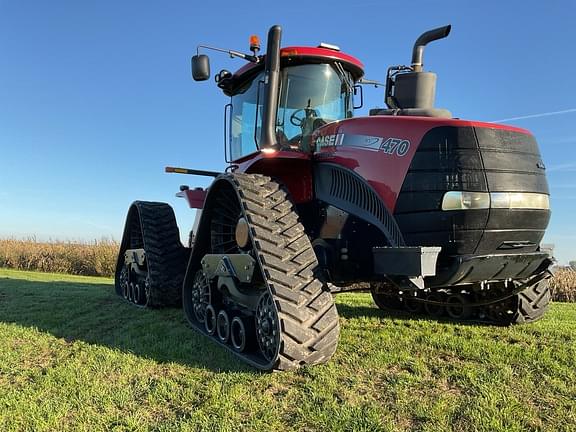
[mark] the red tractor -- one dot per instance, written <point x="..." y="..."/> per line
<point x="440" y="216"/>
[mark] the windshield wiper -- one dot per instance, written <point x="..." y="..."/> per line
<point x="344" y="76"/>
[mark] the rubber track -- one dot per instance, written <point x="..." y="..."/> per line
<point x="165" y="255"/>
<point x="533" y="302"/>
<point x="307" y="314"/>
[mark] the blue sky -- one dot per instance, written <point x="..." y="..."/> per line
<point x="96" y="97"/>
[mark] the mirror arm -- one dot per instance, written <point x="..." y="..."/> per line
<point x="232" y="53"/>
<point x="364" y="81"/>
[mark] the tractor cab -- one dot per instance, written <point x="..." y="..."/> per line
<point x="311" y="94"/>
<point x="314" y="86"/>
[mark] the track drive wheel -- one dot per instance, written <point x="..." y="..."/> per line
<point x="151" y="263"/>
<point x="294" y="321"/>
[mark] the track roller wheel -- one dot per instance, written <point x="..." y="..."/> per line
<point x="434" y="310"/>
<point x="134" y="288"/>
<point x="210" y="320"/>
<point x="413" y="305"/>
<point x="238" y="334"/>
<point x="140" y="293"/>
<point x="223" y="326"/>
<point x="457" y="307"/>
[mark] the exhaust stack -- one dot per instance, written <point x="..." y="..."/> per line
<point x="411" y="91"/>
<point x="271" y="92"/>
<point x="422" y="41"/>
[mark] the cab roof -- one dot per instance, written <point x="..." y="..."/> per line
<point x="296" y="55"/>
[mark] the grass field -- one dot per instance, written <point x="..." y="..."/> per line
<point x="98" y="258"/>
<point x="73" y="356"/>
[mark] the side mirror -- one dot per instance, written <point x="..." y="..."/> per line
<point x="200" y="67"/>
<point x="358" y="90"/>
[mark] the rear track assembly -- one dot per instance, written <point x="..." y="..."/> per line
<point x="151" y="262"/>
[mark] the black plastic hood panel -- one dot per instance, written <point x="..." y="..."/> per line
<point x="472" y="159"/>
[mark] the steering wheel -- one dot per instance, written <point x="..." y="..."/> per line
<point x="295" y="119"/>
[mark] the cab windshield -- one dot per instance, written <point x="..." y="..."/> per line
<point x="311" y="96"/>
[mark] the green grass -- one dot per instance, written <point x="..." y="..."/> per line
<point x="73" y="356"/>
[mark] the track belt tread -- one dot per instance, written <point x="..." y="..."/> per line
<point x="306" y="310"/>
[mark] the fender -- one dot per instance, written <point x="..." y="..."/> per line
<point x="283" y="165"/>
<point x="346" y="190"/>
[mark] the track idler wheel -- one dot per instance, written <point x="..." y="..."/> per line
<point x="533" y="302"/>
<point x="124" y="282"/>
<point x="385" y="296"/>
<point x="528" y="305"/>
<point x="201" y="296"/>
<point x="457" y="308"/>
<point x="267" y="327"/>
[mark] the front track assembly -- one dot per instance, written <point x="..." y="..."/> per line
<point x="251" y="283"/>
<point x="503" y="303"/>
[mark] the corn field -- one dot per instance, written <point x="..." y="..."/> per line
<point x="563" y="285"/>
<point x="98" y="258"/>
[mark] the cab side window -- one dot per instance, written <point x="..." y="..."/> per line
<point x="246" y="119"/>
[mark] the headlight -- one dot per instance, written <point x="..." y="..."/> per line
<point x="456" y="200"/>
<point x="465" y="200"/>
<point x="520" y="200"/>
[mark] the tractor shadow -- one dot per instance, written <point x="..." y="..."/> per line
<point x="94" y="314"/>
<point x="359" y="311"/>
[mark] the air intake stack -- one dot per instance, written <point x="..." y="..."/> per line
<point x="411" y="91"/>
